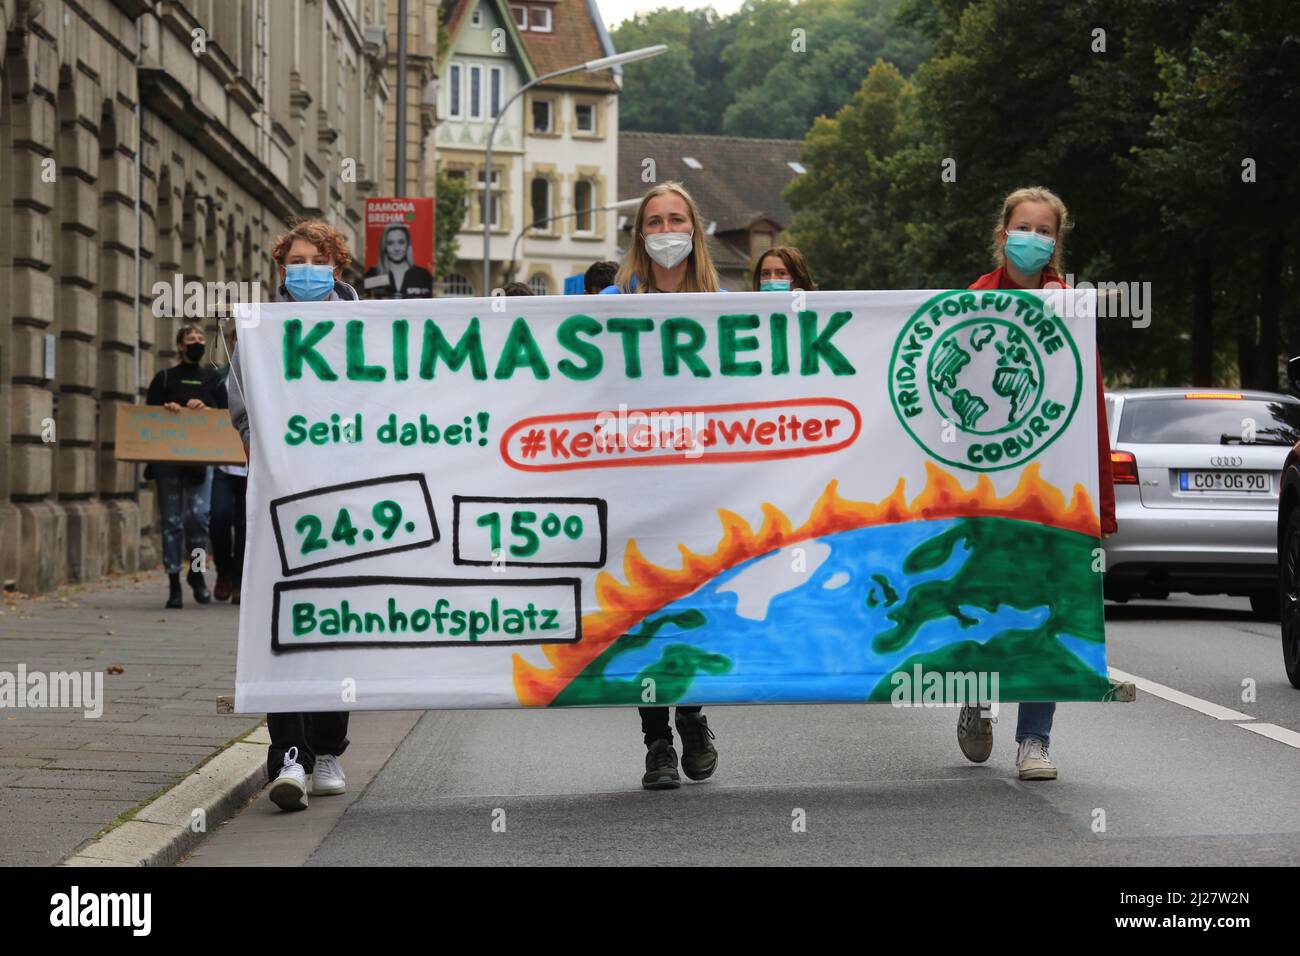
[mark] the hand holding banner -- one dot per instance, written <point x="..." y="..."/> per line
<point x="672" y="498"/>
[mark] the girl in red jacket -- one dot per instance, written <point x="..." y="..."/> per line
<point x="1027" y="240"/>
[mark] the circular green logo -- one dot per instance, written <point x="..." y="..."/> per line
<point x="985" y="380"/>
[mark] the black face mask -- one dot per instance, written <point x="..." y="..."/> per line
<point x="194" y="351"/>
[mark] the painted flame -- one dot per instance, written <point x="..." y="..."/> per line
<point x="651" y="587"/>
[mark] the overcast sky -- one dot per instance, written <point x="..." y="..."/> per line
<point x="615" y="12"/>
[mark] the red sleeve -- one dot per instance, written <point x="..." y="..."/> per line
<point x="1106" y="484"/>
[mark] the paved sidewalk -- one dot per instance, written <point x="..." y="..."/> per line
<point x="63" y="776"/>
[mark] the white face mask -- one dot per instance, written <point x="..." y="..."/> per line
<point x="669" y="248"/>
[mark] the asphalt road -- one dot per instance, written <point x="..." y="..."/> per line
<point x="1158" y="781"/>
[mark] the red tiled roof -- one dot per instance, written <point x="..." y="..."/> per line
<point x="573" y="39"/>
<point x="453" y="10"/>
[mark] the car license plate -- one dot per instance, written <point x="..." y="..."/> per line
<point x="1224" y="481"/>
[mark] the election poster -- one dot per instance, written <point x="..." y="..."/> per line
<point x="399" y="248"/>
<point x="683" y="498"/>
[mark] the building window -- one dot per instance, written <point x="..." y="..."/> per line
<point x="461" y="176"/>
<point x="457" y="285"/>
<point x="541" y="20"/>
<point x="539" y="284"/>
<point x="495" y="197"/>
<point x="521" y="17"/>
<point x="582" y="203"/>
<point x="541" y="116"/>
<point x="475" y="92"/>
<point x="453" y="91"/>
<point x="476" y="18"/>
<point x="494" y="91"/>
<point x="761" y="241"/>
<point x="541" y="196"/>
<point x="585" y="114"/>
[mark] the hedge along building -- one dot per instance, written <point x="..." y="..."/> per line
<point x="140" y="141"/>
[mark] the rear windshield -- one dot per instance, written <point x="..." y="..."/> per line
<point x="1207" y="421"/>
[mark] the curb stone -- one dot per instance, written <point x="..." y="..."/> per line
<point x="161" y="832"/>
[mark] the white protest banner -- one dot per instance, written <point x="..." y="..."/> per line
<point x="758" y="497"/>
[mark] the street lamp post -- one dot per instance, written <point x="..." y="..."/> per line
<point x="514" y="250"/>
<point x="590" y="66"/>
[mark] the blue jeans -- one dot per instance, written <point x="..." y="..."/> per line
<point x="184" y="510"/>
<point x="1035" y="720"/>
<point x="227" y="525"/>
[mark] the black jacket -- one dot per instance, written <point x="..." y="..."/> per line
<point x="185" y="381"/>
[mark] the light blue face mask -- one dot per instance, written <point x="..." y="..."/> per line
<point x="1028" y="251"/>
<point x="774" y="285"/>
<point x="308" y="283"/>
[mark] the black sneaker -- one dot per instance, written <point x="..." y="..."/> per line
<point x="661" y="767"/>
<point x="699" y="757"/>
<point x="200" y="586"/>
<point x="174" y="598"/>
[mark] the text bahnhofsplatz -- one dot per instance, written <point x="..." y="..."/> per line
<point x="579" y="348"/>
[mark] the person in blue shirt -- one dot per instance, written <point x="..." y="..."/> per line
<point x="668" y="254"/>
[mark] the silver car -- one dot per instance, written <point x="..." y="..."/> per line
<point x="1197" y="475"/>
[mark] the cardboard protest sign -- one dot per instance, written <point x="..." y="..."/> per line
<point x="757" y="497"/>
<point x="399" y="248"/>
<point x="151" y="433"/>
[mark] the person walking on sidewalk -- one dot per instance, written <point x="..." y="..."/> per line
<point x="668" y="254"/>
<point x="1027" y="239"/>
<point x="304" y="746"/>
<point x="184" y="491"/>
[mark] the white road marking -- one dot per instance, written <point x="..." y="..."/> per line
<point x="1216" y="711"/>
<point x="1274" y="732"/>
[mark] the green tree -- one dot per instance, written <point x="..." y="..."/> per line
<point x="1221" y="161"/>
<point x="449" y="215"/>
<point x="662" y="95"/>
<point x="850" y="224"/>
<point x="791" y="63"/>
<point x="1139" y="113"/>
<point x="767" y="70"/>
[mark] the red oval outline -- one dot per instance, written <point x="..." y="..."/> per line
<point x="678" y="458"/>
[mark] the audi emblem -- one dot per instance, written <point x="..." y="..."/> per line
<point x="1225" y="461"/>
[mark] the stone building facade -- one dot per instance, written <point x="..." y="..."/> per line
<point x="141" y="141"/>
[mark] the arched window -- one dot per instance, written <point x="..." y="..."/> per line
<point x="457" y="286"/>
<point x="539" y="284"/>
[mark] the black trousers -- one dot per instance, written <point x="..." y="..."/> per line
<point x="655" y="725"/>
<point x="228" y="493"/>
<point x="311" y="733"/>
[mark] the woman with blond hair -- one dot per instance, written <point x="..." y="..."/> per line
<point x="668" y="254"/>
<point x="1028" y="235"/>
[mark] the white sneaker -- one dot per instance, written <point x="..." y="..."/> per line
<point x="289" y="789"/>
<point x="974" y="734"/>
<point x="1033" y="762"/>
<point x="327" y="776"/>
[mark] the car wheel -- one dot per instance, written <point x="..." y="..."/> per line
<point x="1289" y="597"/>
